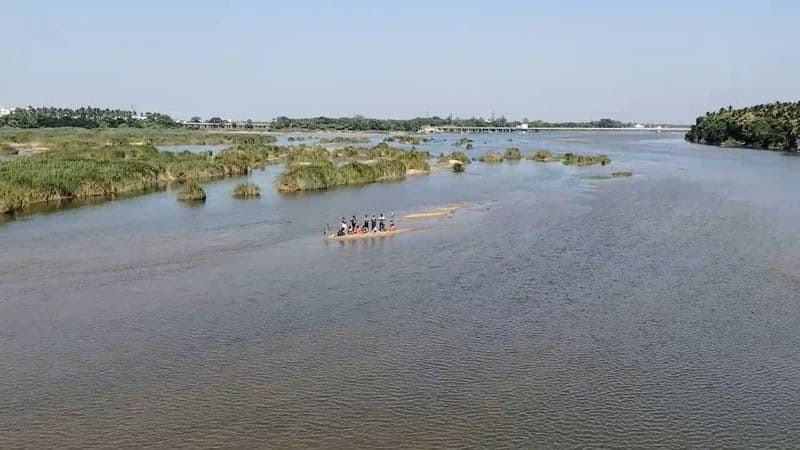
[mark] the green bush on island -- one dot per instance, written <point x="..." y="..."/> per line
<point x="326" y="174"/>
<point x="454" y="156"/>
<point x="355" y="173"/>
<point x="307" y="177"/>
<point x="458" y="167"/>
<point x="406" y="139"/>
<point x="621" y="174"/>
<point x="774" y="126"/>
<point x="390" y="169"/>
<point x="543" y="156"/>
<point x="192" y="192"/>
<point x="584" y="160"/>
<point x="468" y="147"/>
<point x="246" y="189"/>
<point x="491" y="157"/>
<point x="81" y="170"/>
<point x="345" y="140"/>
<point x="513" y="154"/>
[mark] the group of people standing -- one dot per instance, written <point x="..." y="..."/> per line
<point x="374" y="225"/>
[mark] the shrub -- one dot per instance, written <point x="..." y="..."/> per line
<point x="458" y="167"/>
<point x="491" y="157"/>
<point x="584" y="160"/>
<point x="355" y="173"/>
<point x="621" y="174"/>
<point x="192" y="192"/>
<point x="543" y="156"/>
<point x="305" y="177"/>
<point x="454" y="156"/>
<point x="246" y="190"/>
<point x="513" y="153"/>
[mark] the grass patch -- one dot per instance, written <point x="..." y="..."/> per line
<point x="621" y="174"/>
<point x="584" y="160"/>
<point x="513" y="154"/>
<point x="90" y="170"/>
<point x="458" y="167"/>
<point x="542" y="155"/>
<point x="454" y="156"/>
<point x="491" y="157"/>
<point x="344" y="140"/>
<point x="247" y="189"/>
<point x="192" y="193"/>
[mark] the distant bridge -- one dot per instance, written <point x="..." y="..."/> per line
<point x="522" y="129"/>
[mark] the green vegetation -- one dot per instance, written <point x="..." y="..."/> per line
<point x="87" y="117"/>
<point x="463" y="141"/>
<point x="345" y="140"/>
<point x="584" y="160"/>
<point x="314" y="170"/>
<point x="361" y="123"/>
<point x="544" y="156"/>
<point x="491" y="157"/>
<point x="63" y="138"/>
<point x="621" y="174"/>
<point x="406" y="139"/>
<point x="774" y="126"/>
<point x="458" y="167"/>
<point x="454" y="156"/>
<point x="513" y="154"/>
<point x="192" y="192"/>
<point x="103" y="168"/>
<point x="246" y="190"/>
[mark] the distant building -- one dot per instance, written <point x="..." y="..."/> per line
<point x="4" y="111"/>
<point x="638" y="125"/>
<point x="522" y="126"/>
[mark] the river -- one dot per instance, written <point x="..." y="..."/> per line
<point x="560" y="310"/>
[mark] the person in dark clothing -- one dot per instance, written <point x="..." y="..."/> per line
<point x="353" y="222"/>
<point x="366" y="222"/>
<point x="382" y="223"/>
<point x="374" y="223"/>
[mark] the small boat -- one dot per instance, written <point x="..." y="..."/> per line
<point x="370" y="235"/>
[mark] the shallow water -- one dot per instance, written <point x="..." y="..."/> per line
<point x="558" y="311"/>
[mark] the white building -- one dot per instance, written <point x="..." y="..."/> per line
<point x="4" y="111"/>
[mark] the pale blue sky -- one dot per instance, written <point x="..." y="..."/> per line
<point x="575" y="60"/>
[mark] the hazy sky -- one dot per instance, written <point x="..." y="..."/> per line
<point x="665" y="61"/>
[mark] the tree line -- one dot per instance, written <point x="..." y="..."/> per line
<point x="84" y="117"/>
<point x="774" y="126"/>
<point x="361" y="123"/>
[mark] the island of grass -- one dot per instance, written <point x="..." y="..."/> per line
<point x="345" y="140"/>
<point x="406" y="139"/>
<point x="621" y="174"/>
<point x="312" y="171"/>
<point x="71" y="169"/>
<point x="246" y="190"/>
<point x="513" y="154"/>
<point x="542" y="155"/>
<point x="491" y="157"/>
<point x="569" y="159"/>
<point x="192" y="192"/>
<point x="773" y="126"/>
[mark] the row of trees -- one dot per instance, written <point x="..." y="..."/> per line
<point x="773" y="126"/>
<point x="85" y="117"/>
<point x="361" y="123"/>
